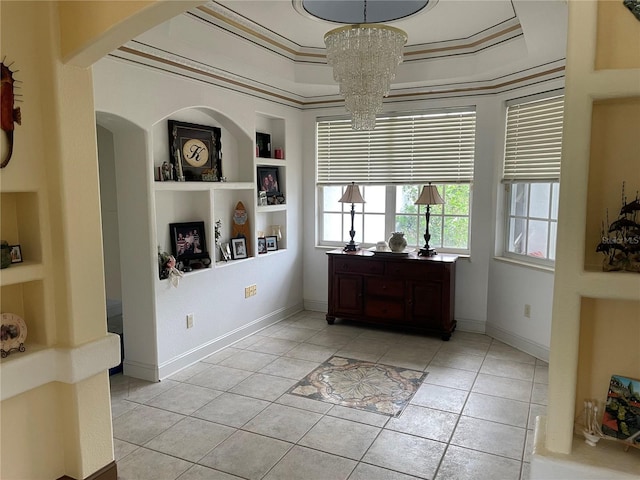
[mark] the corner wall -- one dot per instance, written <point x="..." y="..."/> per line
<point x="490" y="294"/>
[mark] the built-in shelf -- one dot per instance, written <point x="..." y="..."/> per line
<point x="606" y="460"/>
<point x="222" y="263"/>
<point x="21" y="273"/>
<point x="39" y="365"/>
<point x="276" y="162"/>
<point x="615" y="285"/>
<point x="201" y="186"/>
<point x="272" y="208"/>
<point x="189" y="274"/>
<point x="274" y="252"/>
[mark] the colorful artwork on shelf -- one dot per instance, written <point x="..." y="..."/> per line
<point x="622" y="411"/>
<point x="620" y="241"/>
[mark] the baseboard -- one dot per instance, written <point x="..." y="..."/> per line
<point x="473" y="326"/>
<point x="143" y="371"/>
<point x="108" y="472"/>
<point x="519" y="342"/>
<point x="187" y="359"/>
<point x="316" y="305"/>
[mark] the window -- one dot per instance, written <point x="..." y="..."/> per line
<point x="390" y="164"/>
<point x="532" y="174"/>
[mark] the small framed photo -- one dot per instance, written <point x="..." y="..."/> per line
<point x="188" y="241"/>
<point x="238" y="248"/>
<point x="225" y="251"/>
<point x="268" y="180"/>
<point x="263" y="145"/>
<point x="262" y="245"/>
<point x="272" y="243"/>
<point x="16" y="253"/>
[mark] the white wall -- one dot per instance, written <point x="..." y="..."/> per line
<point x="109" y="211"/>
<point x="144" y="99"/>
<point x="490" y="294"/>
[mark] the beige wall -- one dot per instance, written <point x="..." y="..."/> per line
<point x="614" y="159"/>
<point x="60" y="429"/>
<point x="607" y="327"/>
<point x="618" y="37"/>
<point x="91" y="29"/>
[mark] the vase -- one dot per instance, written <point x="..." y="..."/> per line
<point x="397" y="242"/>
<point x="590" y="439"/>
<point x="276" y="231"/>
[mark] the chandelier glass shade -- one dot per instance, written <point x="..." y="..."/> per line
<point x="364" y="59"/>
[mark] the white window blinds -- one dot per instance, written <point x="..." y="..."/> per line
<point x="437" y="147"/>
<point x="534" y="141"/>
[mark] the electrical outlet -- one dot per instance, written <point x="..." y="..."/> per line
<point x="190" y="320"/>
<point x="250" y="291"/>
<point x="527" y="310"/>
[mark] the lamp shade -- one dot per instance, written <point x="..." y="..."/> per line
<point x="352" y="194"/>
<point x="429" y="196"/>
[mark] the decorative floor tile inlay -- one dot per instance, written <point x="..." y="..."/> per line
<point x="362" y="385"/>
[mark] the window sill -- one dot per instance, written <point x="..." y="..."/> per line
<point x="521" y="263"/>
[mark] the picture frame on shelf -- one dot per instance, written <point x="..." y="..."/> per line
<point x="195" y="151"/>
<point x="269" y="180"/>
<point x="239" y="248"/>
<point x="16" y="253"/>
<point x="188" y="241"/>
<point x="225" y="251"/>
<point x="263" y="145"/>
<point x="272" y="243"/>
<point x="262" y="245"/>
<point x="277" y="199"/>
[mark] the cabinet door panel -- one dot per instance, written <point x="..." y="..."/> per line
<point x="425" y="303"/>
<point x="348" y="294"/>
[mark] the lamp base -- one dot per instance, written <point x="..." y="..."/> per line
<point x="427" y="252"/>
<point x="351" y="247"/>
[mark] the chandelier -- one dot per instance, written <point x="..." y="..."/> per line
<point x="364" y="58"/>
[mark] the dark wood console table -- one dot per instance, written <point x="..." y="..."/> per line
<point x="397" y="290"/>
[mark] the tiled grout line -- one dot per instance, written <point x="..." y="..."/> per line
<point x="328" y="413"/>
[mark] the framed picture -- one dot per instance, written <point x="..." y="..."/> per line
<point x="262" y="245"/>
<point x="238" y="248"/>
<point x="16" y="253"/>
<point x="272" y="243"/>
<point x="225" y="251"/>
<point x="188" y="241"/>
<point x="621" y="418"/>
<point x="268" y="180"/>
<point x="196" y="151"/>
<point x="263" y="145"/>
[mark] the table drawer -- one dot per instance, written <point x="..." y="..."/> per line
<point x="383" y="287"/>
<point x="384" y="309"/>
<point x="348" y="265"/>
<point x="414" y="270"/>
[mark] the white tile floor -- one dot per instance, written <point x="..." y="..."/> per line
<point x="229" y="416"/>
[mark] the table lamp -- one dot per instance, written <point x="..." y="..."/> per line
<point x="352" y="195"/>
<point x="428" y="197"/>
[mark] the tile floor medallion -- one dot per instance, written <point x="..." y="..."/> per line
<point x="362" y="385"/>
